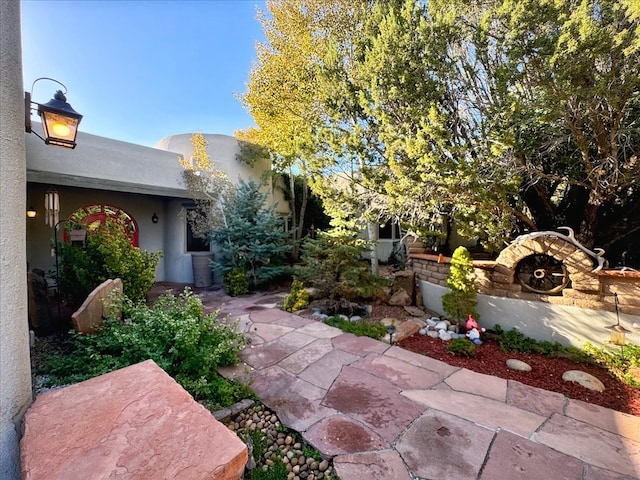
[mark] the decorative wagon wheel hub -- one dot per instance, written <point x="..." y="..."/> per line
<point x="542" y="274"/>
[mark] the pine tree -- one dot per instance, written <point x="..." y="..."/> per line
<point x="461" y="300"/>
<point x="252" y="236"/>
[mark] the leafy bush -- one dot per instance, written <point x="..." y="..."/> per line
<point x="297" y="299"/>
<point x="360" y="328"/>
<point x="516" y="341"/>
<point x="108" y="253"/>
<point x="332" y="263"/>
<point x="461" y="299"/>
<point x="235" y="282"/>
<point x="462" y="347"/>
<point x="618" y="361"/>
<point x="174" y="333"/>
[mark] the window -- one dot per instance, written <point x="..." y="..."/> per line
<point x="194" y="244"/>
<point x="389" y="231"/>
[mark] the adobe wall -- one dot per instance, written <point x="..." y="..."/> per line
<point x="578" y="313"/>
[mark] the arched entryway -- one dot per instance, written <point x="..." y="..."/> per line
<point x="91" y="217"/>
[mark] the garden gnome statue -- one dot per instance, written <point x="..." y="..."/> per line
<point x="473" y="331"/>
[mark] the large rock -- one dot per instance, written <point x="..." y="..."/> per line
<point x="96" y="307"/>
<point x="400" y="299"/>
<point x="133" y="423"/>
<point x="515" y="364"/>
<point x="405" y="279"/>
<point x="583" y="378"/>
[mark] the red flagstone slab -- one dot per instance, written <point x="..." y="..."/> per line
<point x="298" y="361"/>
<point x="296" y="402"/>
<point x="401" y="374"/>
<point x="268" y="331"/>
<point x="323" y="372"/>
<point x="359" y="345"/>
<point x="479" y="409"/>
<point x="320" y="330"/>
<point x="385" y="465"/>
<point x="536" y="400"/>
<point x="512" y="456"/>
<point x="443" y="446"/>
<point x="591" y="444"/>
<point x="373" y="401"/>
<point x="270" y="353"/>
<point x="136" y="423"/>
<point x="421" y="361"/>
<point x="595" y="473"/>
<point x="610" y="420"/>
<point x="274" y="315"/>
<point x="338" y="435"/>
<point x="467" y="381"/>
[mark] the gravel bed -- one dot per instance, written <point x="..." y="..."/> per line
<point x="302" y="461"/>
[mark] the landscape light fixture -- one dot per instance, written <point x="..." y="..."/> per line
<point x="59" y="120"/>
<point x="617" y="331"/>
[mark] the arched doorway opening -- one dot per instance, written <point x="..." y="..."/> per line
<point x="91" y="217"/>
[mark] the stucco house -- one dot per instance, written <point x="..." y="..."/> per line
<point x="103" y="177"/>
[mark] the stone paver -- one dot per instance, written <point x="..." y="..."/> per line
<point x="536" y="400"/>
<point x="479" y="384"/>
<point x="270" y="353"/>
<point x="386" y="465"/>
<point x="401" y="374"/>
<point x="615" y="422"/>
<point x="440" y="445"/>
<point x="296" y="402"/>
<point x="358" y="345"/>
<point x="323" y="372"/>
<point x="311" y="353"/>
<point x="373" y="401"/>
<point x="479" y="409"/>
<point x="340" y="434"/>
<point x="512" y="456"/>
<point x="422" y="361"/>
<point x="592" y="445"/>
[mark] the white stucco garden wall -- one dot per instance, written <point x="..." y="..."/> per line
<point x="538" y="320"/>
<point x="15" y="369"/>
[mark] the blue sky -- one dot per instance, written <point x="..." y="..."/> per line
<point x="142" y="70"/>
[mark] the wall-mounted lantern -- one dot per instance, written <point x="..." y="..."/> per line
<point x="59" y="120"/>
<point x="31" y="212"/>
<point x="154" y="218"/>
<point x="617" y="332"/>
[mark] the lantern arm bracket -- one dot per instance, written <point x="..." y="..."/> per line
<point x="59" y="119"/>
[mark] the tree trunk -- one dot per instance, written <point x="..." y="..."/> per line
<point x="372" y="233"/>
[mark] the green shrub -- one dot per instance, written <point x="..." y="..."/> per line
<point x="617" y="360"/>
<point x="332" y="264"/>
<point x="462" y="347"/>
<point x="278" y="471"/>
<point x="108" y="253"/>
<point x="252" y="237"/>
<point x="174" y="333"/>
<point x="516" y="341"/>
<point x="235" y="282"/>
<point x="361" y="328"/>
<point x="461" y="299"/>
<point x="297" y="299"/>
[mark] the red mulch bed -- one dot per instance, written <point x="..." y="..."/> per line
<point x="546" y="372"/>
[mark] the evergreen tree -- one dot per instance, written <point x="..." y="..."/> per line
<point x="252" y="236"/>
<point x="461" y="300"/>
